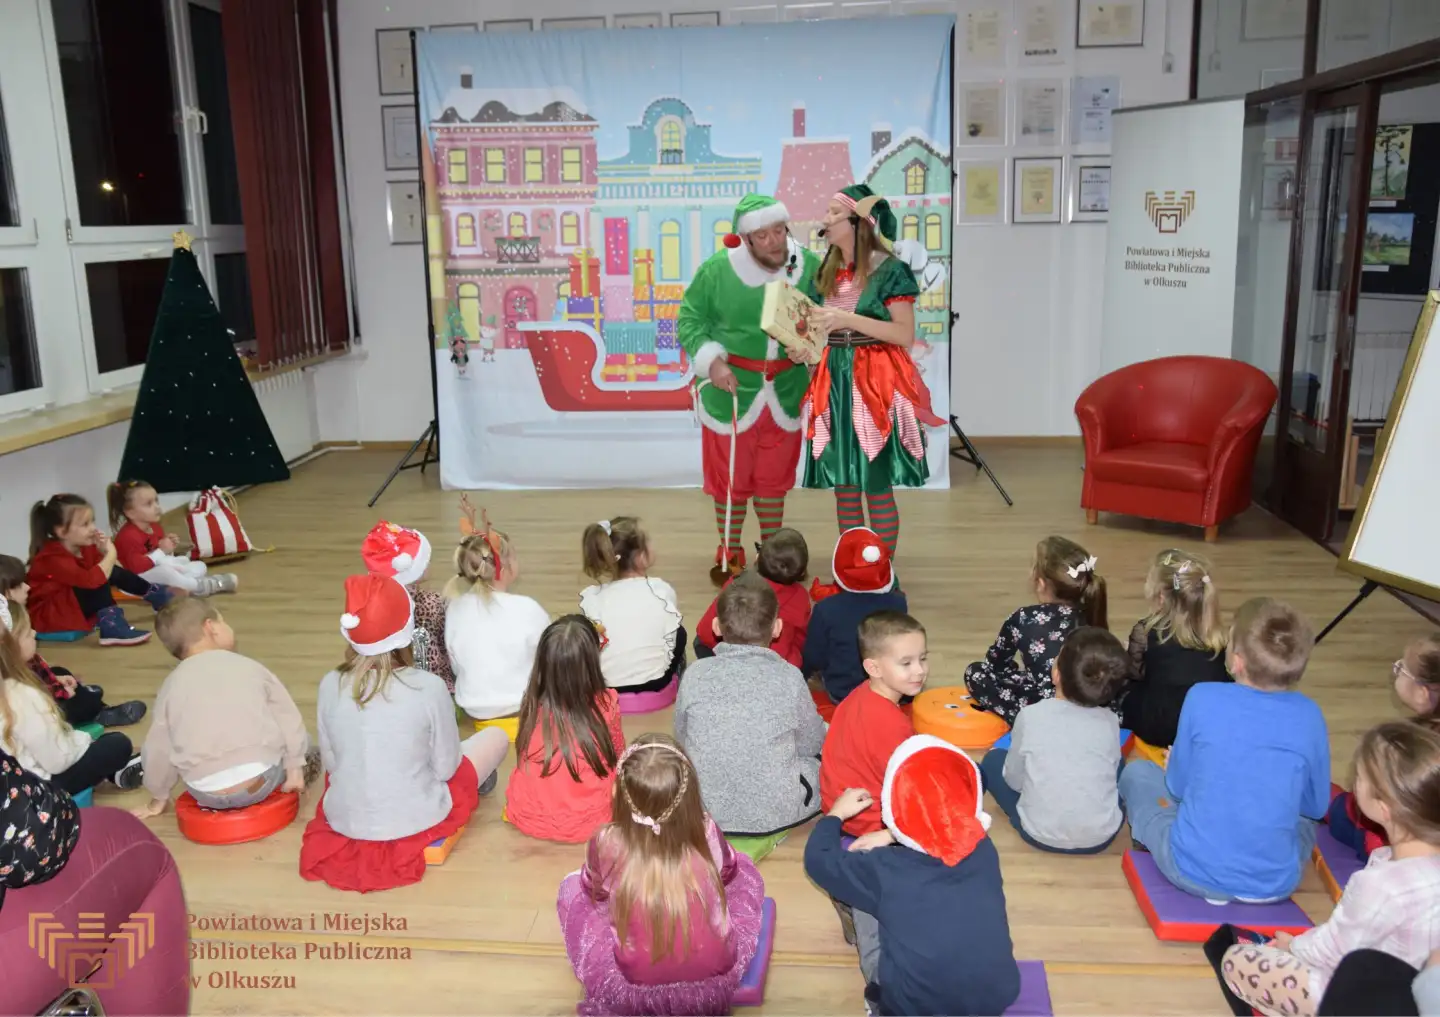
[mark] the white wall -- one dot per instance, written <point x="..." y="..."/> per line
<point x="1028" y="339"/>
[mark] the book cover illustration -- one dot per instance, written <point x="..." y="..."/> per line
<point x="786" y="318"/>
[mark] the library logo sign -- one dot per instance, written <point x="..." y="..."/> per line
<point x="76" y="954"/>
<point x="1168" y="211"/>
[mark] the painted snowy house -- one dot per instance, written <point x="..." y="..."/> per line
<point x="811" y="171"/>
<point x="516" y="174"/>
<point x="913" y="174"/>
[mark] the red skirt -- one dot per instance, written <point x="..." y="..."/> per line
<point x="369" y="865"/>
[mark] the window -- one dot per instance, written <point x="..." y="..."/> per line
<point x="722" y="230"/>
<point x="934" y="232"/>
<point x="123" y="298"/>
<point x="670" y="250"/>
<point x="534" y="165"/>
<point x="672" y="141"/>
<point x="915" y="178"/>
<point x="817" y="242"/>
<point x="571" y="167"/>
<point x="120" y="112"/>
<point x="232" y="294"/>
<point x="19" y="363"/>
<point x="465" y="230"/>
<point x="9" y="210"/>
<point x="459" y="166"/>
<point x="222" y="179"/>
<point x="569" y="230"/>
<point x="910" y="228"/>
<point x="494" y="165"/>
<point x="468" y="295"/>
<point x="517" y="225"/>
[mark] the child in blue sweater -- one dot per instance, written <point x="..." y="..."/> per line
<point x="866" y="585"/>
<point x="931" y="879"/>
<point x="1232" y="817"/>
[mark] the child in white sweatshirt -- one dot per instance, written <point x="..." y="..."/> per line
<point x="490" y="633"/>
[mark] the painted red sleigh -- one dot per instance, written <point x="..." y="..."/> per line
<point x="568" y="361"/>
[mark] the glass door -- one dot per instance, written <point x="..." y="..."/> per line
<point x="1320" y="309"/>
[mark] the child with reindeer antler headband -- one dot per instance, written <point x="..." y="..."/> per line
<point x="490" y="633"/>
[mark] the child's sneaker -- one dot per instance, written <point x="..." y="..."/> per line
<point x="121" y="716"/>
<point x="158" y="596"/>
<point x="225" y="582"/>
<point x="312" y="766"/>
<point x="131" y="775"/>
<point x="488" y="784"/>
<point x="116" y="631"/>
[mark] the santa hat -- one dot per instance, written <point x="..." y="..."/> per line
<point x="755" y="212"/>
<point x="933" y="799"/>
<point x="379" y="616"/>
<point x="394" y="551"/>
<point x="861" y="562"/>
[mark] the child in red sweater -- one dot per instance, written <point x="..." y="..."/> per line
<point x="145" y="549"/>
<point x="72" y="567"/>
<point x="782" y="561"/>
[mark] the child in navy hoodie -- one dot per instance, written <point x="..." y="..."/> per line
<point x="866" y="585"/>
<point x="938" y="865"/>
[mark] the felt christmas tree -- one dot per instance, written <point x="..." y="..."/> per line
<point x="197" y="423"/>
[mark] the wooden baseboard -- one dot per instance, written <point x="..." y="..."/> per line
<point x="369" y="446"/>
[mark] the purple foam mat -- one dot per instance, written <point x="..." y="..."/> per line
<point x="1169" y="907"/>
<point x="1034" y="998"/>
<point x="751" y="990"/>
<point x="1341" y="859"/>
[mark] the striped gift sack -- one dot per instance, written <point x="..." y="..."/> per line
<point x="215" y="530"/>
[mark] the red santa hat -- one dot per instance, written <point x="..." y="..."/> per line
<point x="861" y="562"/>
<point x="396" y="552"/>
<point x="379" y="615"/>
<point x="933" y="800"/>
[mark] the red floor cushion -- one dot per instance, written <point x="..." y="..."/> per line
<point x="236" y="826"/>
<point x="1166" y="464"/>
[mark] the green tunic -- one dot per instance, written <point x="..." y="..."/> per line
<point x="721" y="317"/>
<point x="842" y="462"/>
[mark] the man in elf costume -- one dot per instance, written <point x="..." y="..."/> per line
<point x="749" y="389"/>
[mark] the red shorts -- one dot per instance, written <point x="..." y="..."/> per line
<point x="766" y="459"/>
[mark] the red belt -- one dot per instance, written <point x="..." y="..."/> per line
<point x="769" y="368"/>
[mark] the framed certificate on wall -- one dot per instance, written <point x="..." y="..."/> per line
<point x="1090" y="189"/>
<point x="1035" y="188"/>
<point x="1106" y="23"/>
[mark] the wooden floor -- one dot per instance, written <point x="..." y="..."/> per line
<point x="480" y="935"/>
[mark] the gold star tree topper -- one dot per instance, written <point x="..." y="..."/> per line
<point x="182" y="240"/>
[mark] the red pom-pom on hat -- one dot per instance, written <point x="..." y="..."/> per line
<point x="732" y="240"/>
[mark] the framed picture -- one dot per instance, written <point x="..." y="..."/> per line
<point x="397" y="125"/>
<point x="639" y="21"/>
<point x="1090" y="189"/>
<point x="1273" y="19"/>
<point x="1035" y="189"/>
<point x="980" y="197"/>
<point x="1103" y="23"/>
<point x="809" y="12"/>
<point x="762" y="14"/>
<point x="695" y="19"/>
<point x="571" y="24"/>
<point x="454" y="29"/>
<point x="393" y="61"/>
<point x="404" y="211"/>
<point x="510" y="25"/>
<point x="980" y="113"/>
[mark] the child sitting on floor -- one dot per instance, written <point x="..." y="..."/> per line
<point x="490" y="633"/>
<point x="782" y="561"/>
<point x="34" y="731"/>
<point x="398" y="777"/>
<point x="80" y="703"/>
<point x="223" y="723"/>
<point x="73" y="564"/>
<point x="569" y="739"/>
<point x="943" y="867"/>
<point x="148" y="551"/>
<point x="665" y="916"/>
<point x="748" y="723"/>
<point x="866" y="578"/>
<point x="1179" y="644"/>
<point x="1057" y="781"/>
<point x="1069" y="593"/>
<point x="1232" y="816"/>
<point x="403" y="555"/>
<point x="1417" y="685"/>
<point x="1392" y="905"/>
<point x="639" y="613"/>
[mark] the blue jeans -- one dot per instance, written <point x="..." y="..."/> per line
<point x="1343" y="828"/>
<point x="1152" y="813"/>
<point x="992" y="773"/>
<point x="242" y="799"/>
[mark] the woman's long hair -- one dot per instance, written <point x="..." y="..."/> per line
<point x="370" y="676"/>
<point x="660" y="871"/>
<point x="867" y="245"/>
<point x="564" y="699"/>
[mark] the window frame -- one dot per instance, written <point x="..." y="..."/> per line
<point x="919" y="168"/>
<point x="721" y="229"/>
<point x="566" y="176"/>
<point x="500" y="164"/>
<point x="510" y="221"/>
<point x="99" y="254"/>
<point x="462" y="164"/>
<point x="464" y="221"/>
<point x="936" y="221"/>
<point x="569" y="222"/>
<point x="39" y="396"/>
<point x="539" y="164"/>
<point x="906" y="222"/>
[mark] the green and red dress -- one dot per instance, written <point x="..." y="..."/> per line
<point x="866" y="408"/>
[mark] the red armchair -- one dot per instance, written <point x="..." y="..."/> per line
<point x="1173" y="439"/>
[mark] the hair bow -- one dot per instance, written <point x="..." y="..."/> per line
<point x="1088" y="565"/>
<point x="636" y="817"/>
<point x="604" y="524"/>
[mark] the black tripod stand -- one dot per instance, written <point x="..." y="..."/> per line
<point x="430" y="438"/>
<point x="968" y="453"/>
<point x="1367" y="588"/>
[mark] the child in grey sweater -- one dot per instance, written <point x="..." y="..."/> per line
<point x="746" y="719"/>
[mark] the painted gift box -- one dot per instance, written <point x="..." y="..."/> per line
<point x="584" y="273"/>
<point x="586" y="309"/>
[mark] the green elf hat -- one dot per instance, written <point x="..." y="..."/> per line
<point x="755" y="212"/>
<point x="875" y="210"/>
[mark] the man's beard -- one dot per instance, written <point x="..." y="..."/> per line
<point x="765" y="262"/>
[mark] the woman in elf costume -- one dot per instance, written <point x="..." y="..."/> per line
<point x="866" y="405"/>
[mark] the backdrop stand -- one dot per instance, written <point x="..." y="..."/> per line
<point x="968" y="453"/>
<point x="1368" y="588"/>
<point x="431" y="439"/>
